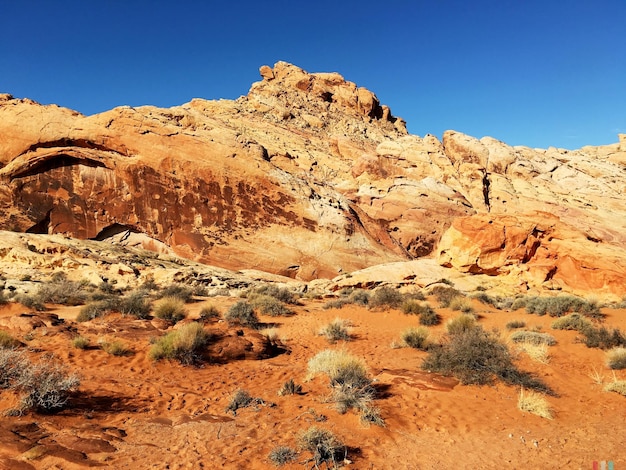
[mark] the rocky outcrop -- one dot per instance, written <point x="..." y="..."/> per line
<point x="306" y="176"/>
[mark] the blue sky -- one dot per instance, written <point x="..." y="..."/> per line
<point x="528" y="72"/>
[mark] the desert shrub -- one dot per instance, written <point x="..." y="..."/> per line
<point x="80" y="342"/>
<point x="414" y="307"/>
<point x="336" y="331"/>
<point x="486" y="299"/>
<point x="7" y="341"/>
<point x="282" y="455"/>
<point x="171" y="309"/>
<point x="371" y="415"/>
<point x="429" y="317"/>
<point x="269" y="305"/>
<point x="533" y="337"/>
<point x="386" y="297"/>
<point x="603" y="338"/>
<point x="617" y="386"/>
<point x="335" y="363"/>
<point x="94" y="310"/>
<point x="445" y="294"/>
<point x="415" y="337"/>
<point x="184" y="344"/>
<point x="290" y="388"/>
<point x="179" y="291"/>
<point x="475" y="356"/>
<point x="241" y="399"/>
<point x="12" y="363"/>
<point x="200" y="291"/>
<point x="337" y="303"/>
<point x="242" y="314"/>
<point x="359" y="297"/>
<point x="461" y="304"/>
<point x="560" y="305"/>
<point x="45" y="386"/>
<point x="282" y="294"/>
<point x="136" y="304"/>
<point x="460" y="324"/>
<point x="537" y="352"/>
<point x="107" y="288"/>
<point x="3" y="297"/>
<point x="535" y="403"/>
<point x="573" y="321"/>
<point x="616" y="358"/>
<point x="115" y="348"/>
<point x="324" y="445"/>
<point x="519" y="302"/>
<point x="209" y="313"/>
<point x="512" y="325"/>
<point x="62" y="292"/>
<point x="33" y="302"/>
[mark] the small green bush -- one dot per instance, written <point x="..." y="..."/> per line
<point x="94" y="310"/>
<point x="115" y="348"/>
<point x="533" y="337"/>
<point x="179" y="291"/>
<point x="269" y="305"/>
<point x="242" y="314"/>
<point x="386" y="297"/>
<point x="336" y="331"/>
<point x="80" y="342"/>
<point x="33" y="302"/>
<point x="559" y="306"/>
<point x="429" y="317"/>
<point x="416" y="337"/>
<point x="414" y="307"/>
<point x="461" y="304"/>
<point x="185" y="344"/>
<point x="282" y="294"/>
<point x="136" y="304"/>
<point x="616" y="358"/>
<point x="324" y="445"/>
<point x="282" y="455"/>
<point x="360" y="297"/>
<point x="337" y="303"/>
<point x="171" y="309"/>
<point x="573" y="321"/>
<point x="460" y="324"/>
<point x="512" y="325"/>
<point x="7" y="341"/>
<point x="445" y="294"/>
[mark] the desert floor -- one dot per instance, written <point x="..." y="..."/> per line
<point x="134" y="413"/>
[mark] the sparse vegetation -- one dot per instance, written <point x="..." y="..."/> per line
<point x="94" y="310"/>
<point x="573" y="321"/>
<point x="136" y="304"/>
<point x="171" y="309"/>
<point x="290" y="388"/>
<point x="535" y="403"/>
<point x="269" y="305"/>
<point x="460" y="324"/>
<point x="180" y="291"/>
<point x="445" y="294"/>
<point x="475" y="356"/>
<point x="414" y="307"/>
<point x="33" y="302"/>
<point x="533" y="337"/>
<point x="184" y="344"/>
<point x="337" y="330"/>
<point x="616" y="358"/>
<point x="242" y="314"/>
<point x="603" y="338"/>
<point x="282" y="455"/>
<point x="7" y="341"/>
<point x="324" y="445"/>
<point x="282" y="294"/>
<point x="512" y="325"/>
<point x="209" y="313"/>
<point x="80" y="342"/>
<point x="242" y="399"/>
<point x="386" y="297"/>
<point x="537" y="352"/>
<point x="461" y="304"/>
<point x="429" y="318"/>
<point x="115" y="348"/>
<point x="558" y="306"/>
<point x="617" y="386"/>
<point x="415" y="337"/>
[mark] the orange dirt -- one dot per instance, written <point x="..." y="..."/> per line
<point x="134" y="413"/>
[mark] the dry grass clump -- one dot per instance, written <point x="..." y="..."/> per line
<point x="616" y="358"/>
<point x="558" y="306"/>
<point x="180" y="291"/>
<point x="269" y="305"/>
<point x="535" y="403"/>
<point x="242" y="313"/>
<point x="427" y="316"/>
<point x="386" y="297"/>
<point x="617" y="386"/>
<point x="115" y="348"/>
<point x="171" y="309"/>
<point x="460" y="324"/>
<point x="282" y="294"/>
<point x="290" y="388"/>
<point x="445" y="294"/>
<point x="331" y="362"/>
<point x="415" y="337"/>
<point x="500" y="303"/>
<point x="533" y="337"/>
<point x="209" y="313"/>
<point x="80" y="342"/>
<point x="537" y="352"/>
<point x="136" y="304"/>
<point x="242" y="399"/>
<point x="349" y="297"/>
<point x="512" y="325"/>
<point x="96" y="309"/>
<point x="603" y="338"/>
<point x="44" y="386"/>
<point x="7" y="341"/>
<point x="475" y="356"/>
<point x="573" y="321"/>
<point x="62" y="292"/>
<point x="461" y="304"/>
<point x="282" y="455"/>
<point x="337" y="330"/>
<point x="324" y="445"/>
<point x="184" y="344"/>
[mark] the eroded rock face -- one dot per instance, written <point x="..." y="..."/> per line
<point x="307" y="176"/>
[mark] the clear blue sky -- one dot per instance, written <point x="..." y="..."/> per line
<point x="528" y="72"/>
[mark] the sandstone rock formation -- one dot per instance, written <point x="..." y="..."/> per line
<point x="309" y="176"/>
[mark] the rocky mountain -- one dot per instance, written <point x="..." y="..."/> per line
<point x="310" y="176"/>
